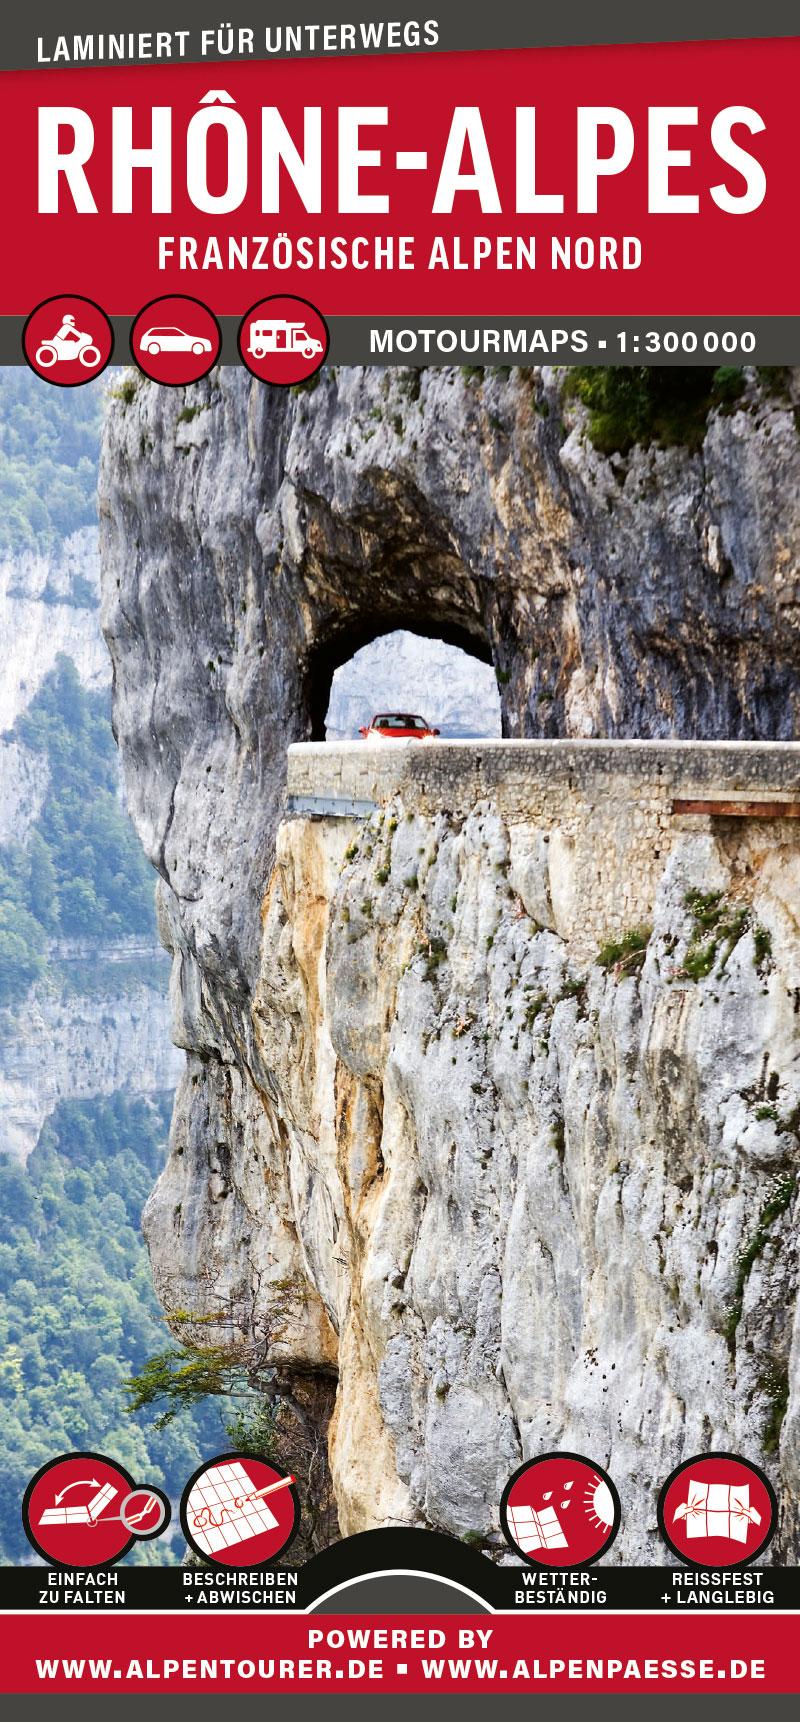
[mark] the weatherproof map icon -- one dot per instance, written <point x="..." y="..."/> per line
<point x="84" y="1510"/>
<point x="560" y="1510"/>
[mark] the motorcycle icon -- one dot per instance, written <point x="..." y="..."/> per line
<point x="68" y="343"/>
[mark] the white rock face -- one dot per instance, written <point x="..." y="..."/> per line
<point x="62" y="1043"/>
<point x="23" y="785"/>
<point x="43" y="612"/>
<point x="533" y="1205"/>
<point x="76" y="1046"/>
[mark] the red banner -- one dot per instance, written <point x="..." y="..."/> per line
<point x="445" y="183"/>
<point x="258" y="1653"/>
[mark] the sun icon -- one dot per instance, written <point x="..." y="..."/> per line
<point x="598" y="1503"/>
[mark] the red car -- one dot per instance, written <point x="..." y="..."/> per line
<point x="397" y="726"/>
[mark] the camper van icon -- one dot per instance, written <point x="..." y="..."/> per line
<point x="283" y="339"/>
<point x="277" y="335"/>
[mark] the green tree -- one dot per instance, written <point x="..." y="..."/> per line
<point x="48" y="460"/>
<point x="82" y="873"/>
<point x="646" y="404"/>
<point x="43" y="898"/>
<point x="77" y="1310"/>
<point x="22" y="951"/>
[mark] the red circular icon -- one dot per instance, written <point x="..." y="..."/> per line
<point x="717" y="1510"/>
<point x="68" y="340"/>
<point x="238" y="1512"/>
<point x="84" y="1510"/>
<point x="176" y="340"/>
<point x="560" y="1511"/>
<point x="283" y="340"/>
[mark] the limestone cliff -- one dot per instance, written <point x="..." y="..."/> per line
<point x="509" y="1198"/>
<point x="98" y="1020"/>
<point x="48" y="604"/>
<point x="68" y="1041"/>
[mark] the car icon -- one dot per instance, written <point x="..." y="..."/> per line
<point x="170" y="340"/>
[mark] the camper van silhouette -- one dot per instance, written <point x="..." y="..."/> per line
<point x="283" y="340"/>
<point x="278" y="335"/>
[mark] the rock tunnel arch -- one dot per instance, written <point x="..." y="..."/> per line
<point x="383" y="558"/>
<point x="333" y="651"/>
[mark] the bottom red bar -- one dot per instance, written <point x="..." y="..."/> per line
<point x="251" y="1652"/>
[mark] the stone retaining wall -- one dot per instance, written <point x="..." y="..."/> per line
<point x="604" y="809"/>
<point x="523" y="777"/>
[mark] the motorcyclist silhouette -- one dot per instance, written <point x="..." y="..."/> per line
<point x="68" y="343"/>
<point x="67" y="328"/>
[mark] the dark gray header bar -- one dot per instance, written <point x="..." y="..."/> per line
<point x="565" y="341"/>
<point x="516" y="341"/>
<point x="299" y="32"/>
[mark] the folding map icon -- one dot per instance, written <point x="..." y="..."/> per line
<point x="86" y="1514"/>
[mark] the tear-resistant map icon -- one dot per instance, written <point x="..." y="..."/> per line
<point x="239" y="1511"/>
<point x="84" y="1510"/>
<point x="560" y="1510"/>
<point x="717" y="1508"/>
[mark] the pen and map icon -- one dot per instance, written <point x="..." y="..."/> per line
<point x="238" y="1510"/>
